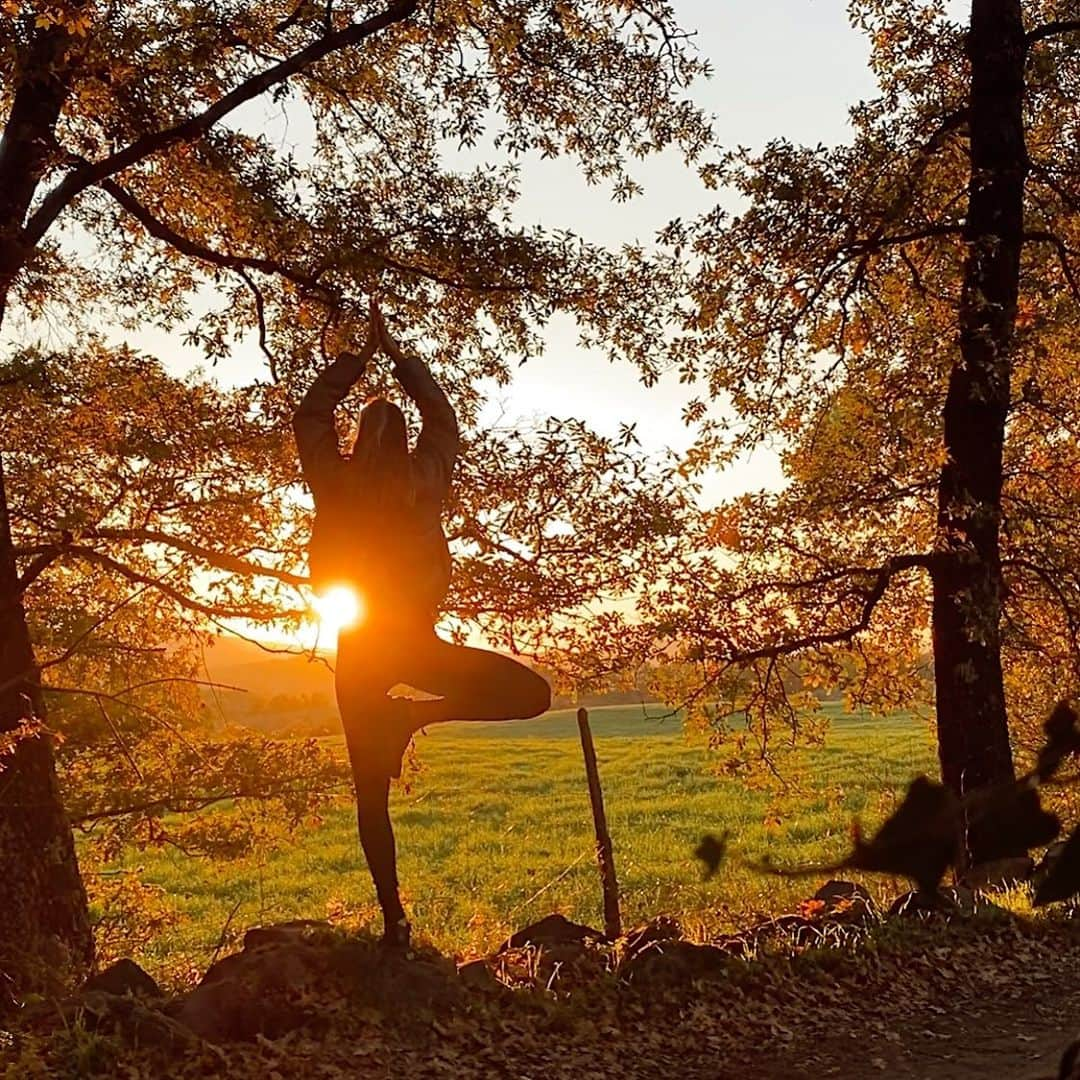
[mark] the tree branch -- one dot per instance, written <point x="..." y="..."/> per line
<point x="219" y="559"/>
<point x="882" y="575"/>
<point x="1063" y="255"/>
<point x="194" y="127"/>
<point x="186" y="246"/>
<point x="1052" y="29"/>
<point x="185" y="601"/>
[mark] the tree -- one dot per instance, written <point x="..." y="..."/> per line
<point x="133" y="190"/>
<point x="892" y="312"/>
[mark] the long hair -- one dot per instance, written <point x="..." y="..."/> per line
<point x="379" y="464"/>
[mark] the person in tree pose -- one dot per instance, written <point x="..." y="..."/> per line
<point x="378" y="531"/>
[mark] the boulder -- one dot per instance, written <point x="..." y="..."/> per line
<point x="123" y="977"/>
<point x="477" y="975"/>
<point x="287" y="932"/>
<point x="276" y="983"/>
<point x="845" y="902"/>
<point x="252" y="993"/>
<point x="951" y="900"/>
<point x="127" y="1016"/>
<point x="662" y="928"/>
<point x="551" y="930"/>
<point x="676" y="962"/>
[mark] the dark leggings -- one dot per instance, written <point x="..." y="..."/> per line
<point x="470" y="684"/>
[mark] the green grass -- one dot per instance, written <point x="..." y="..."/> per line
<point x="496" y="831"/>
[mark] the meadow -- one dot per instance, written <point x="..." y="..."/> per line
<point x="495" y="831"/>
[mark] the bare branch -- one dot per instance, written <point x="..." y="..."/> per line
<point x="182" y="599"/>
<point x="226" y="260"/>
<point x="1063" y="254"/>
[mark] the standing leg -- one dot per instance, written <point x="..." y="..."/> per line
<point x="374" y="736"/>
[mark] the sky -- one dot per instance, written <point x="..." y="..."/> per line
<point x="788" y="68"/>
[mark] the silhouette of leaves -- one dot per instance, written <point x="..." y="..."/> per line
<point x="1010" y="821"/>
<point x="925" y="835"/>
<point x="711" y="852"/>
<point x="1063" y="881"/>
<point x="1062" y="740"/>
<point x="919" y="841"/>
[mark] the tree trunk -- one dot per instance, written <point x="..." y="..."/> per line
<point x="46" y="933"/>
<point x="973" y="736"/>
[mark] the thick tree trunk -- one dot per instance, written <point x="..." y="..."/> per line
<point x="44" y="925"/>
<point x="45" y="931"/>
<point x="973" y="736"/>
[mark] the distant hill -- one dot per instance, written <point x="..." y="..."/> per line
<point x="242" y="663"/>
<point x="276" y="691"/>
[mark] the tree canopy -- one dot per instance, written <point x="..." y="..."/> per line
<point x="139" y="187"/>
<point x="836" y="313"/>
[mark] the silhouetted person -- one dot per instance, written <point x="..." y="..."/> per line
<point x="378" y="530"/>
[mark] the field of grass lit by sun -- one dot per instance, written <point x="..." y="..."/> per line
<point x="495" y="831"/>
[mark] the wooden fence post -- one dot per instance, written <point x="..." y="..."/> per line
<point x="605" y="855"/>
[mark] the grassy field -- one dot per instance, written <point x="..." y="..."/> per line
<point x="496" y="832"/>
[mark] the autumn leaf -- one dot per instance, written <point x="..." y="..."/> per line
<point x="711" y="852"/>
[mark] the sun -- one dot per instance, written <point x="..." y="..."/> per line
<point x="338" y="608"/>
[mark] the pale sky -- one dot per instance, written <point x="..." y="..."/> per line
<point x="788" y="68"/>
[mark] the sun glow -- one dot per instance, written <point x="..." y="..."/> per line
<point x="338" y="608"/>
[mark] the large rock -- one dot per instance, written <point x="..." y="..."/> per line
<point x="676" y="962"/>
<point x="123" y="977"/>
<point x="552" y="930"/>
<point x="951" y="900"/>
<point x="662" y="928"/>
<point x="136" y="1023"/>
<point x="275" y="983"/>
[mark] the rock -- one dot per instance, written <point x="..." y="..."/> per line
<point x="247" y="995"/>
<point x="950" y="900"/>
<point x="844" y="903"/>
<point x="476" y="975"/>
<point x="287" y="932"/>
<point x="123" y="977"/>
<point x="275" y="983"/>
<point x="552" y="930"/>
<point x="998" y="874"/>
<point x="662" y="928"/>
<point x="100" y="1010"/>
<point x="676" y="962"/>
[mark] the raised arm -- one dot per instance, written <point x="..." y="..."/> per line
<point x="437" y="447"/>
<point x="313" y="421"/>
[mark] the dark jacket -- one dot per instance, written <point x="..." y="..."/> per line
<point x="408" y="564"/>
